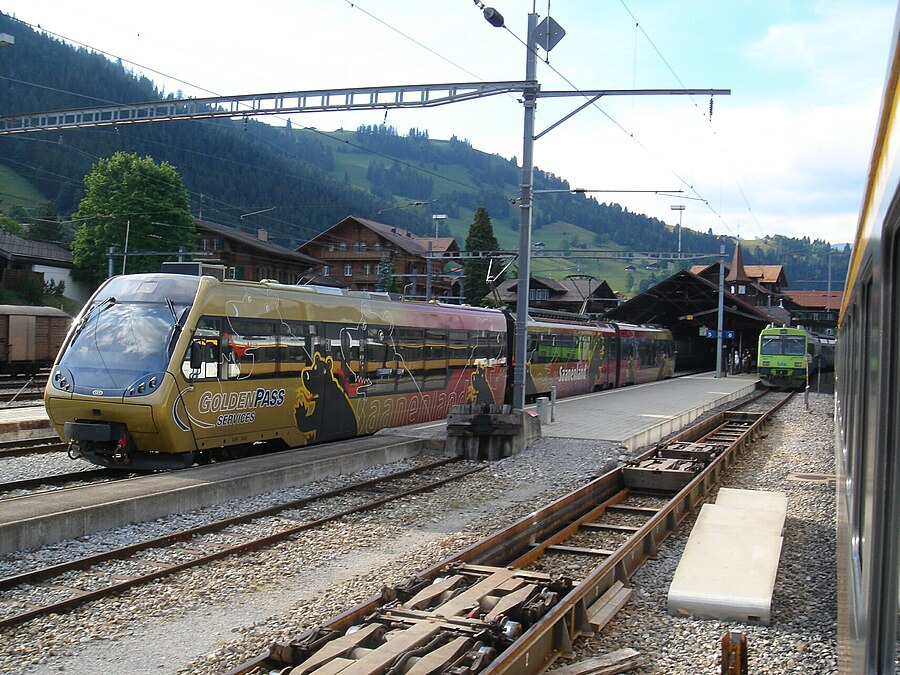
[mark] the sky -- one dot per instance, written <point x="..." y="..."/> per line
<point x="787" y="152"/>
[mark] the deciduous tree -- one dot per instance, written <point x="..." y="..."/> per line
<point x="127" y="195"/>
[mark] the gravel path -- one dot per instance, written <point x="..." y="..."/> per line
<point x="205" y="621"/>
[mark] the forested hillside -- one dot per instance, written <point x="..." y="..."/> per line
<point x="306" y="180"/>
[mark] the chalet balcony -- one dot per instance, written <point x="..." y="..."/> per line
<point x="368" y="255"/>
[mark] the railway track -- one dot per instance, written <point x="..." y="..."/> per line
<point x="62" y="480"/>
<point x="23" y="447"/>
<point x="61" y="587"/>
<point x="517" y="600"/>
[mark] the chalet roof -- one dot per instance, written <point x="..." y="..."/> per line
<point x="402" y="239"/>
<point x="686" y="294"/>
<point x="563" y="290"/>
<point x="766" y="274"/>
<point x="763" y="274"/>
<point x="13" y="247"/>
<point x="737" y="272"/>
<point x="817" y="299"/>
<point x="439" y="244"/>
<point x="253" y="241"/>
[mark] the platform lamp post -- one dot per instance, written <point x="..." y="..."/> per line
<point x="680" y="208"/>
<point x="438" y="218"/>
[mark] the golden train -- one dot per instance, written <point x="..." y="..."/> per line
<point x="167" y="370"/>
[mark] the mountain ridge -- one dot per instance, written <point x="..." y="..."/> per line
<point x="297" y="182"/>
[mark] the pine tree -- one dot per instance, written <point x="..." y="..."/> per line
<point x="384" y="274"/>
<point x="45" y="225"/>
<point x="481" y="238"/>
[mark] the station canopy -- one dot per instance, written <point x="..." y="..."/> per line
<point x="685" y="302"/>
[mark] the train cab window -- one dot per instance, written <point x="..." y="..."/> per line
<point x="202" y="361"/>
<point x="531" y="349"/>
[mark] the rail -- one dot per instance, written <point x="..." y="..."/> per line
<point x="538" y="617"/>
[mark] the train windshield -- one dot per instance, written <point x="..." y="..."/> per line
<point x="783" y="345"/>
<point x="129" y="330"/>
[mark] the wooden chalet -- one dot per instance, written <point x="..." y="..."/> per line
<point x="759" y="285"/>
<point x="251" y="256"/>
<point x="579" y="294"/>
<point x="353" y="248"/>
<point x="816" y="310"/>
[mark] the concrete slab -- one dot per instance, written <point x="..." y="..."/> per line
<point x="718" y="518"/>
<point x="728" y="568"/>
<point x="728" y="576"/>
<point x="754" y="500"/>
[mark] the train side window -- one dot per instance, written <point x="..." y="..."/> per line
<point x="254" y="346"/>
<point x="435" y="370"/>
<point x="410" y="348"/>
<point x="861" y="437"/>
<point x="345" y="344"/>
<point x="458" y="349"/>
<point x="380" y="362"/>
<point x="296" y="346"/>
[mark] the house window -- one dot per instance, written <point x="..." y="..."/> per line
<point x="326" y="271"/>
<point x="356" y="246"/>
<point x="376" y="246"/>
<point x="538" y="293"/>
<point x="362" y="246"/>
<point x="331" y="248"/>
<point x="348" y="270"/>
<point x="367" y="269"/>
<point x="343" y="246"/>
<point x="742" y="290"/>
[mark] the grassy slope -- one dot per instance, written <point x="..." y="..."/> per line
<point x="17" y="191"/>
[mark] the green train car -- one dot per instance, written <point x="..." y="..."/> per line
<point x="788" y="356"/>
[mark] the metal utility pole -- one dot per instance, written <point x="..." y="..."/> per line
<point x="721" y="320"/>
<point x="680" y="208"/>
<point x="530" y="99"/>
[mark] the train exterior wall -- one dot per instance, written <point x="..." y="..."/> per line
<point x="30" y="337"/>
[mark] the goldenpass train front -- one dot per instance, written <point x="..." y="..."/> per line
<point x="164" y="370"/>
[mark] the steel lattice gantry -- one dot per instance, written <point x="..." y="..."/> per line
<point x="283" y="103"/>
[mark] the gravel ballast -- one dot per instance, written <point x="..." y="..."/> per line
<point x="211" y="619"/>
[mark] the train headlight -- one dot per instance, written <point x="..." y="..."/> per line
<point x="62" y="379"/>
<point x="144" y="386"/>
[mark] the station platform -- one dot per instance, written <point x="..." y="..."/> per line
<point x="632" y="416"/>
<point x="24" y="422"/>
<point x="643" y="414"/>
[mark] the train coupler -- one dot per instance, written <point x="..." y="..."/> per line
<point x="74" y="450"/>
